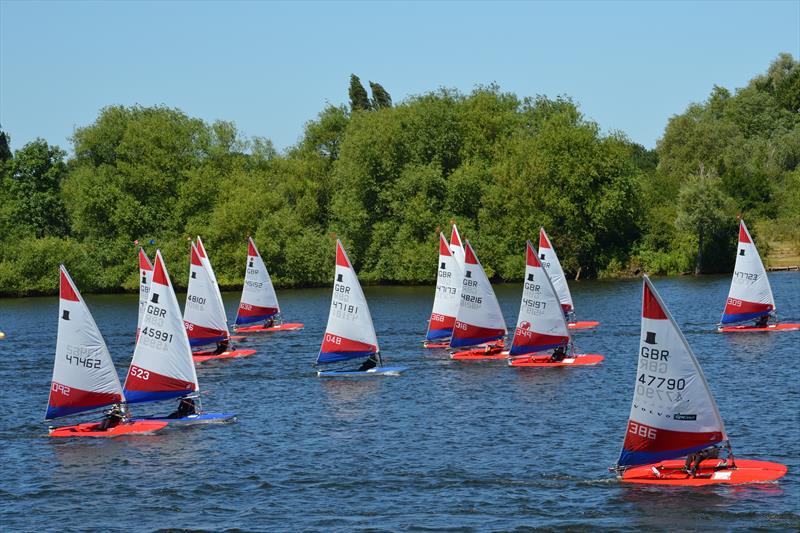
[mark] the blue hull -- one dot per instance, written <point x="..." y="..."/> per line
<point x="373" y="372"/>
<point x="204" y="418"/>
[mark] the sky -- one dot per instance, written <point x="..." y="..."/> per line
<point x="270" y="67"/>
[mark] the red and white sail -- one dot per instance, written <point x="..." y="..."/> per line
<point x="673" y="412"/>
<point x="541" y="324"/>
<point x="203" y="314"/>
<point x="750" y="296"/>
<point x="201" y="250"/>
<point x="448" y="294"/>
<point x="479" y="318"/>
<point x="350" y="333"/>
<point x="457" y="247"/>
<point x="84" y="377"/>
<point x="549" y="260"/>
<point x="162" y="366"/>
<point x="259" y="301"/>
<point x="145" y="278"/>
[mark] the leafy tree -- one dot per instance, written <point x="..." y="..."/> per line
<point x="358" y="95"/>
<point x="380" y="98"/>
<point x="5" y="149"/>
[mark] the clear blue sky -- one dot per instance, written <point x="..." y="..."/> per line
<point x="271" y="66"/>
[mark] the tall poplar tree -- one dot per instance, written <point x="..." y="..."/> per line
<point x="380" y="98"/>
<point x="358" y="95"/>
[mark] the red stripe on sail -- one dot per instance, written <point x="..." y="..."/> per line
<point x="144" y="261"/>
<point x="544" y="242"/>
<point x="530" y="258"/>
<point x="469" y="256"/>
<point x="196" y="256"/>
<point x="650" y="305"/>
<point x="443" y="248"/>
<point x="743" y="236"/>
<point x="62" y="396"/>
<point x="566" y="308"/>
<point x="454" y="240"/>
<point x="199" y="332"/>
<point x="524" y="337"/>
<point x="140" y="379"/>
<point x="736" y="307"/>
<point x="462" y="330"/>
<point x="159" y="272"/>
<point x="67" y="290"/>
<point x="341" y="256"/>
<point x="251" y="248"/>
<point x="254" y="310"/>
<point x="442" y="321"/>
<point x="642" y="438"/>
<point x="200" y="248"/>
<point x="334" y="343"/>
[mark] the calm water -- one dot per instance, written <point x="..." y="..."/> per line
<point x="446" y="446"/>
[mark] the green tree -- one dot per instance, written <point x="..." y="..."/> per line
<point x="380" y="98"/>
<point x="5" y="149"/>
<point x="359" y="100"/>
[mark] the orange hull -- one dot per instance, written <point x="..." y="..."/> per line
<point x="289" y="326"/>
<point x="544" y="361"/>
<point x="754" y="329"/>
<point x="671" y="473"/>
<point x="137" y="427"/>
<point x="583" y="324"/>
<point x="202" y="357"/>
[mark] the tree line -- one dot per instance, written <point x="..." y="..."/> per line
<point x="386" y="177"/>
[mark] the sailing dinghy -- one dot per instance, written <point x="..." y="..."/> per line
<point x="479" y="323"/>
<point x="350" y="333"/>
<point x="84" y="377"/>
<point x="446" y="301"/>
<point x="162" y="368"/>
<point x="204" y="314"/>
<point x="259" y="302"/>
<point x="549" y="259"/>
<point x="750" y="296"/>
<point x="145" y="278"/>
<point x="674" y="415"/>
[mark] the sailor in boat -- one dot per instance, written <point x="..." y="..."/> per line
<point x="186" y="407"/>
<point x="118" y="414"/>
<point x="694" y="460"/>
<point x="222" y="347"/>
<point x="559" y="354"/>
<point x="761" y="322"/>
<point x="270" y="322"/>
<point x="370" y="363"/>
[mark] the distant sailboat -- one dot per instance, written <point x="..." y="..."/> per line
<point x="84" y="377"/>
<point x="204" y="313"/>
<point x="350" y="333"/>
<point x="673" y="414"/>
<point x="162" y="367"/>
<point x="750" y="296"/>
<point x="447" y="299"/>
<point x="259" y="302"/>
<point x="480" y="320"/>
<point x="549" y="259"/>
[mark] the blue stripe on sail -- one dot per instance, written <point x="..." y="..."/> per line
<point x="134" y="396"/>
<point x="740" y="317"/>
<point x="333" y="357"/>
<point x="250" y="319"/>
<point x="627" y="458"/>
<point x="459" y="343"/>
<point x="524" y="350"/>
<point x="436" y="334"/>
<point x="58" y="412"/>
<point x="206" y="340"/>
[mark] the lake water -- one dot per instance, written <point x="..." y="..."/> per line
<point x="468" y="446"/>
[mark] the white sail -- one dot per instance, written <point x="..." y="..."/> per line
<point x="541" y="324"/>
<point x="673" y="412"/>
<point x="457" y="247"/>
<point x="549" y="260"/>
<point x="350" y="333"/>
<point x="84" y="377"/>
<point x="259" y="301"/>
<point x="204" y="315"/>
<point x="750" y="296"/>
<point x="448" y="294"/>
<point x="479" y="319"/>
<point x="145" y="277"/>
<point x="162" y="366"/>
<point x="201" y="250"/>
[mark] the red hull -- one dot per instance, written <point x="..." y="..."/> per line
<point x="544" y="361"/>
<point x="583" y="324"/>
<point x="432" y="345"/>
<point x="670" y="473"/>
<point x="137" y="427"/>
<point x="480" y="354"/>
<point x="754" y="329"/>
<point x="291" y="326"/>
<point x="202" y="357"/>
